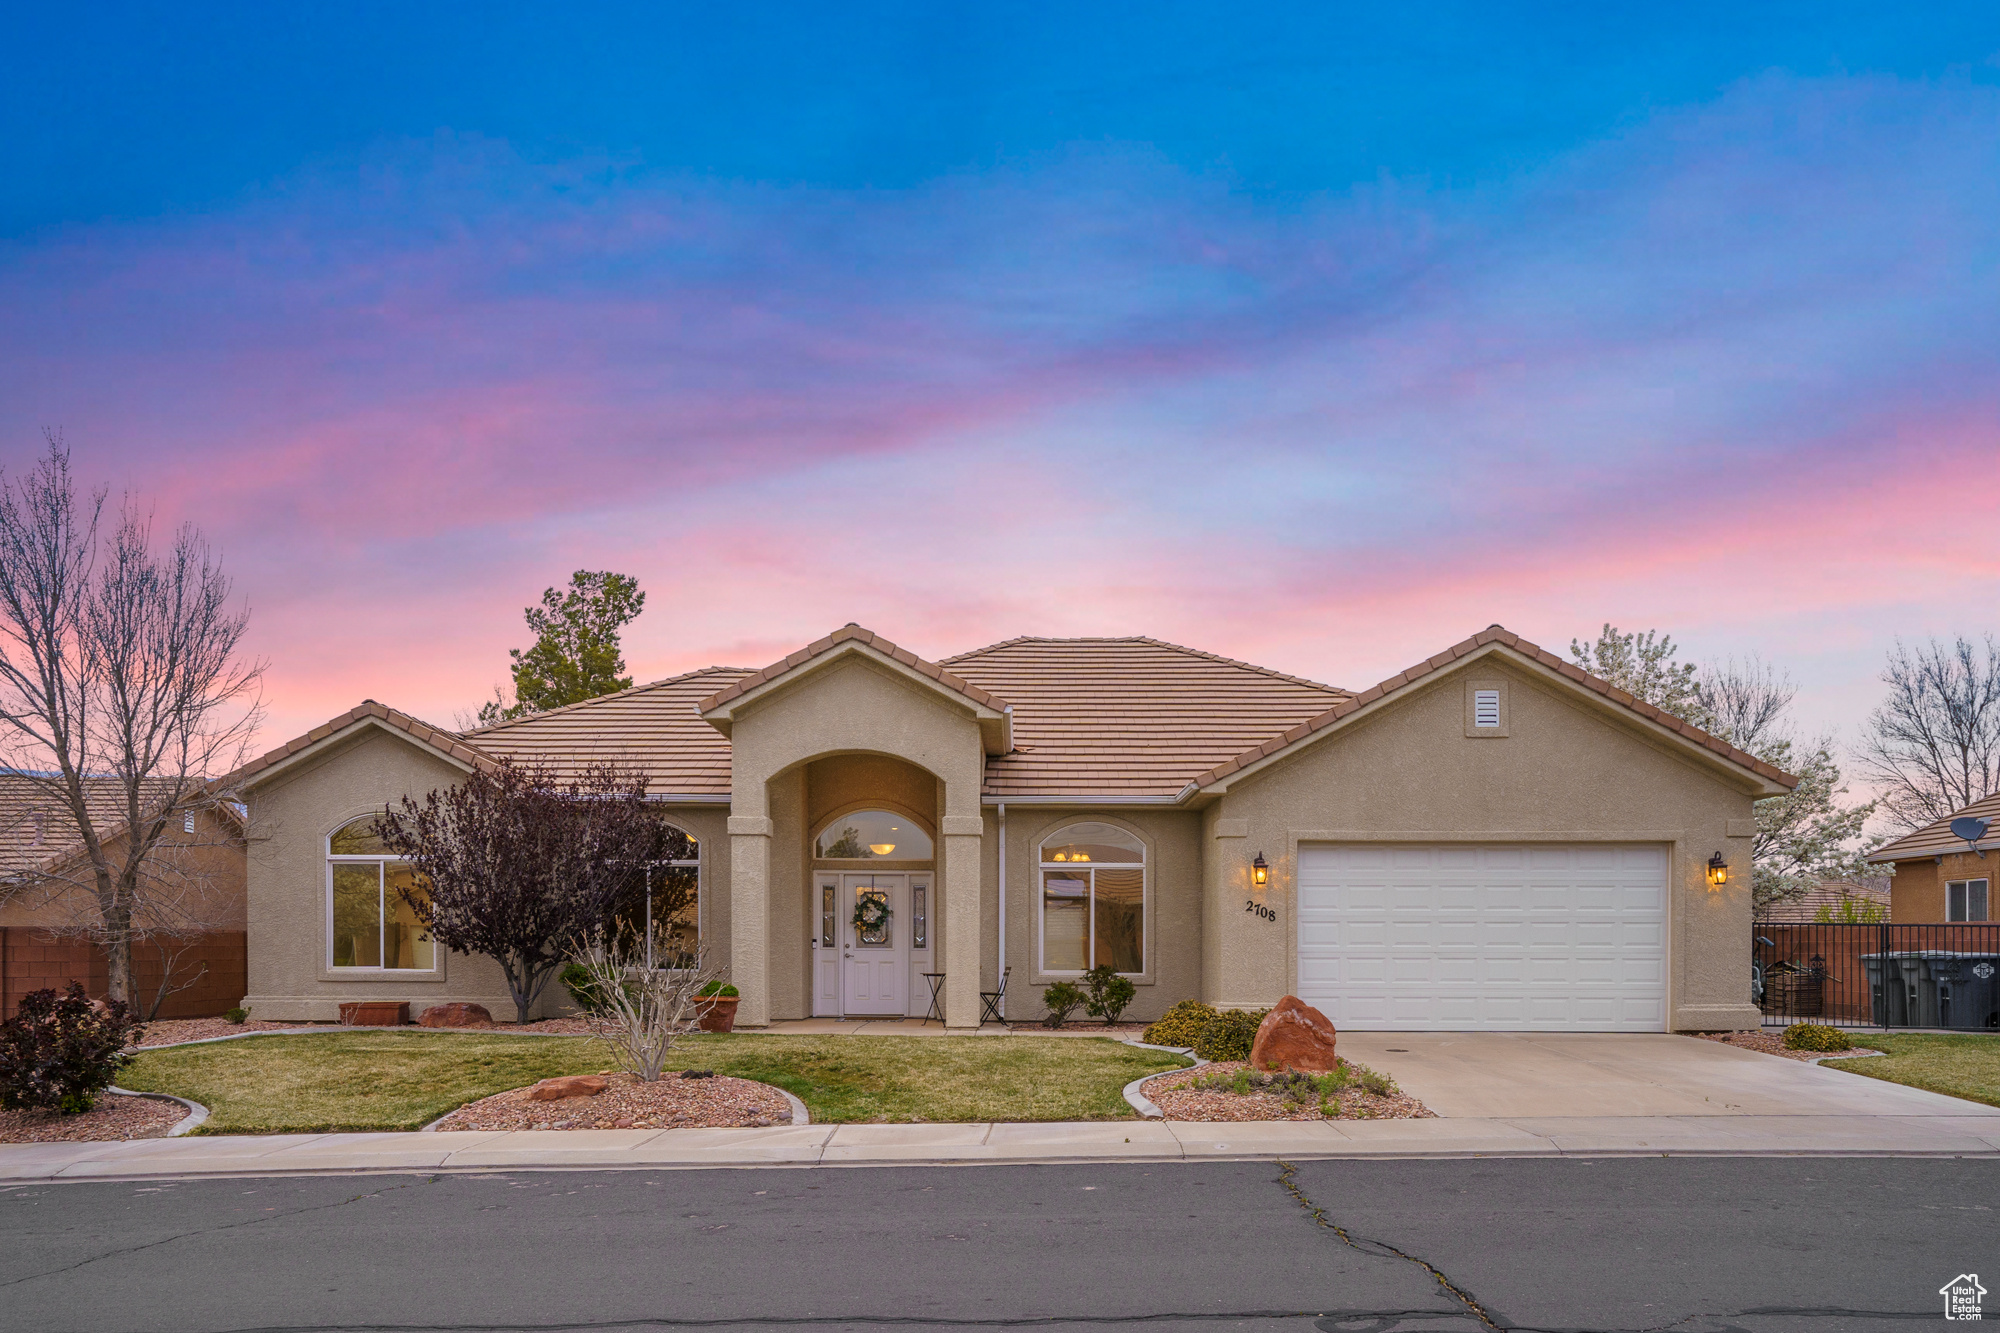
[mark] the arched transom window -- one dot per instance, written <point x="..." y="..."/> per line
<point x="873" y="835"/>
<point x="1093" y="899"/>
<point x="370" y="921"/>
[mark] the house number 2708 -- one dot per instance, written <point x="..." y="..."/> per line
<point x="1267" y="913"/>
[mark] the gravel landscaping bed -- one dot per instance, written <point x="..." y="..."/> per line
<point x="173" y="1031"/>
<point x="1175" y="1096"/>
<point x="114" y="1117"/>
<point x="1083" y="1027"/>
<point x="1773" y="1043"/>
<point x="671" y="1103"/>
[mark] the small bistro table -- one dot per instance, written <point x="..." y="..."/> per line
<point x="937" y="1001"/>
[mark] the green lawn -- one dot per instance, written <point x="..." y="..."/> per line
<point x="1959" y="1065"/>
<point x="405" y="1080"/>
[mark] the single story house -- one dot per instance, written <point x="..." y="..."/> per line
<point x="1490" y="839"/>
<point x="189" y="961"/>
<point x="1939" y="875"/>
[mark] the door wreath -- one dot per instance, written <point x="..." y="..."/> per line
<point x="871" y="913"/>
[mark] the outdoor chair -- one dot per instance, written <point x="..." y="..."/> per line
<point x="990" y="999"/>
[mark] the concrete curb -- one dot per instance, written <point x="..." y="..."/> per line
<point x="1138" y="1100"/>
<point x="196" y="1112"/>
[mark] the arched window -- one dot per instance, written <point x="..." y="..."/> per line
<point x="873" y="835"/>
<point x="1093" y="899"/>
<point x="370" y="923"/>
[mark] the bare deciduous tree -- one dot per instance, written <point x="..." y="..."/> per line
<point x="644" y="1009"/>
<point x="1933" y="746"/>
<point x="121" y="695"/>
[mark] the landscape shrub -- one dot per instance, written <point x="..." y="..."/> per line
<point x="589" y="997"/>
<point x="1816" y="1037"/>
<point x="1061" y="1000"/>
<point x="1109" y="992"/>
<point x="237" y="1015"/>
<point x="1180" y="1025"/>
<point x="1228" y="1036"/>
<point x="718" y="989"/>
<point x="61" y="1050"/>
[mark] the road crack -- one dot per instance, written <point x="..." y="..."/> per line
<point x="206" y="1231"/>
<point x="1288" y="1177"/>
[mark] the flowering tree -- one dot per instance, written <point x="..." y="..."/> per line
<point x="527" y="867"/>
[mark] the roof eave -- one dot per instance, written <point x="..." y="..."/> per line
<point x="317" y="742"/>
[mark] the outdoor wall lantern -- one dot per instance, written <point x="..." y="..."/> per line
<point x="1260" y="871"/>
<point x="1718" y="871"/>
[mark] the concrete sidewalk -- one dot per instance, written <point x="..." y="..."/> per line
<point x="1951" y="1135"/>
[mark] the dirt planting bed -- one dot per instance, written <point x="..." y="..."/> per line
<point x="1773" y="1043"/>
<point x="1178" y="1096"/>
<point x="672" y="1103"/>
<point x="114" y="1117"/>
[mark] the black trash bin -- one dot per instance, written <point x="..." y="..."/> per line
<point x="1966" y="994"/>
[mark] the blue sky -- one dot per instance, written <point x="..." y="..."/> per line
<point x="1318" y="337"/>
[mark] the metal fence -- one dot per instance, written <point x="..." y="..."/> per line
<point x="1880" y="976"/>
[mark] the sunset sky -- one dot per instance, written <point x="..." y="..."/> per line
<point x="1318" y="341"/>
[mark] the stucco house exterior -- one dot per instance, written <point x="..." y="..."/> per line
<point x="1491" y="839"/>
<point x="1939" y="876"/>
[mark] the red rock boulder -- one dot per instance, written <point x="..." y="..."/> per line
<point x="575" y="1085"/>
<point x="456" y="1015"/>
<point x="1294" y="1035"/>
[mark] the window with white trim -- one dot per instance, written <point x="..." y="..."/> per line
<point x="1093" y="900"/>
<point x="1965" y="900"/>
<point x="672" y="901"/>
<point x="370" y="921"/>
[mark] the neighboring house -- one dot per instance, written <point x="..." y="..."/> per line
<point x="1832" y="896"/>
<point x="1939" y="875"/>
<point x="1491" y="839"/>
<point x="195" y="934"/>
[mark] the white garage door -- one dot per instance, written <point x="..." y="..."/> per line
<point x="1523" y="937"/>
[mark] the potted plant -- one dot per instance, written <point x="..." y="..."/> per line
<point x="715" y="1006"/>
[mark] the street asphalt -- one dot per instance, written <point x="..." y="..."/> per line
<point x="1698" y="1245"/>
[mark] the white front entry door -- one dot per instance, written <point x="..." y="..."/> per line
<point x="869" y="973"/>
<point x="1456" y="937"/>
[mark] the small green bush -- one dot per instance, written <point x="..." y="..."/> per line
<point x="1061" y="1000"/>
<point x="588" y="997"/>
<point x="1180" y="1025"/>
<point x="237" y="1015"/>
<point x="60" y="1051"/>
<point x="1816" y="1037"/>
<point x="718" y="988"/>
<point x="1109" y="992"/>
<point x="1228" y="1036"/>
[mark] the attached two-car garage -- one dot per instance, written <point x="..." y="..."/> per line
<point x="1509" y="937"/>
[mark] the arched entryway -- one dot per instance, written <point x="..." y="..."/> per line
<point x="872" y="888"/>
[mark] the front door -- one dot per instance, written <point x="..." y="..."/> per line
<point x="875" y="963"/>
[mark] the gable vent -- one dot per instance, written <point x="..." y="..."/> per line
<point x="1486" y="708"/>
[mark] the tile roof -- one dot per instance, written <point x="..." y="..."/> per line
<point x="38" y="832"/>
<point x="657" y="727"/>
<point x="1937" y="839"/>
<point x="1128" y="717"/>
<point x="848" y="633"/>
<point x="1490" y="635"/>
<point x="437" y="738"/>
<point x="1830" y="894"/>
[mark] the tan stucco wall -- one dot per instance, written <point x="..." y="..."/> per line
<point x="1173" y="902"/>
<point x="1565" y="771"/>
<point x="852" y="706"/>
<point x="1917" y="895"/>
<point x="290" y="818"/>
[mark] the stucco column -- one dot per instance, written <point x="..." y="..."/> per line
<point x="749" y="917"/>
<point x="964" y="937"/>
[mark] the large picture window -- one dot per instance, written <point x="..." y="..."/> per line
<point x="1093" y="900"/>
<point x="370" y="923"/>
<point x="673" y="900"/>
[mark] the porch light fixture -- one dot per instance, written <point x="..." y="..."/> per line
<point x="1260" y="871"/>
<point x="1718" y="871"/>
<point x="881" y="848"/>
